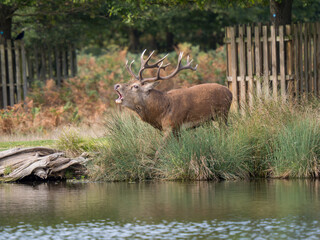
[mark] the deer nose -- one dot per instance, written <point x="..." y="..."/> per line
<point x="116" y="86"/>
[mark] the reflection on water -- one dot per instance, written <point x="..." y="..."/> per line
<point x="268" y="209"/>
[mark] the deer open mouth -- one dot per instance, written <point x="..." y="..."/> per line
<point x="120" y="97"/>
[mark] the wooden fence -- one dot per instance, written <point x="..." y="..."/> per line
<point x="20" y="66"/>
<point x="273" y="63"/>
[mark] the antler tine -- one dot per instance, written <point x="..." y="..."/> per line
<point x="178" y="69"/>
<point x="129" y="69"/>
<point x="145" y="63"/>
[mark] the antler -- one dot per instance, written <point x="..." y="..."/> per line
<point x="130" y="70"/>
<point x="145" y="63"/>
<point x="178" y="69"/>
<point x="159" y="64"/>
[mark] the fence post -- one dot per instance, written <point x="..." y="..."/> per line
<point x="318" y="55"/>
<point x="282" y="65"/>
<point x="306" y="58"/>
<point x="289" y="59"/>
<point x="234" y="60"/>
<point x="24" y="70"/>
<point x="3" y="75"/>
<point x="296" y="62"/>
<point x="316" y="86"/>
<point x="18" y="73"/>
<point x="274" y="63"/>
<point x="265" y="62"/>
<point x="258" y="60"/>
<point x="250" y="66"/>
<point x="242" y="68"/>
<point x="10" y="72"/>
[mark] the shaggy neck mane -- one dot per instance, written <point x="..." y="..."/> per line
<point x="156" y="104"/>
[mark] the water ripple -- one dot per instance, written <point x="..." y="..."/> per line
<point x="257" y="229"/>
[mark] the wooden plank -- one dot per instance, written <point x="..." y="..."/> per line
<point x="58" y="67"/>
<point x="228" y="49"/>
<point x="296" y="42"/>
<point x="10" y="73"/>
<point x="24" y="71"/>
<point x="250" y="66"/>
<point x="265" y="62"/>
<point x="242" y="68"/>
<point x="18" y="71"/>
<point x="282" y="67"/>
<point x="314" y="56"/>
<point x="234" y="68"/>
<point x="274" y="63"/>
<point x="310" y="77"/>
<point x="289" y="60"/>
<point x="302" y="85"/>
<point x="3" y="75"/>
<point x="306" y="67"/>
<point x="318" y="56"/>
<point x="258" y="60"/>
<point x="288" y="78"/>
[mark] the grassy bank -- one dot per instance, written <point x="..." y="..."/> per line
<point x="270" y="140"/>
<point x="21" y="144"/>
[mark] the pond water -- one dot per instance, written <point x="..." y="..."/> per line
<point x="275" y="209"/>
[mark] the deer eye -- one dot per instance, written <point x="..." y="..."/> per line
<point x="135" y="86"/>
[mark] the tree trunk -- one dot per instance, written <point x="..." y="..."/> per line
<point x="134" y="40"/>
<point x="169" y="40"/>
<point x="6" y="13"/>
<point x="280" y="12"/>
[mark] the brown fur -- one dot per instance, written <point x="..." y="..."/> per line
<point x="171" y="110"/>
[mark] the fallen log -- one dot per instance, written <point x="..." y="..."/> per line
<point x="18" y="163"/>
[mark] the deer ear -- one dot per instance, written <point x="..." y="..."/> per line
<point x="149" y="86"/>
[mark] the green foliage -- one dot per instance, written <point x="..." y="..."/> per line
<point x="7" y="145"/>
<point x="208" y="153"/>
<point x="129" y="152"/>
<point x="269" y="140"/>
<point x="295" y="151"/>
<point x="74" y="144"/>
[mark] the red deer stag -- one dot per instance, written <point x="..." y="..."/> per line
<point x="169" y="111"/>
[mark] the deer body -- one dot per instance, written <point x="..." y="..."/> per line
<point x="169" y="111"/>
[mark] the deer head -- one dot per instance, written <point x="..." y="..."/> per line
<point x="135" y="93"/>
<point x="170" y="110"/>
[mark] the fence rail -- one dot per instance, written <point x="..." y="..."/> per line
<point x="273" y="63"/>
<point x="20" y="66"/>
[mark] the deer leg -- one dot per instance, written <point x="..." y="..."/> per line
<point x="166" y="136"/>
<point x="176" y="133"/>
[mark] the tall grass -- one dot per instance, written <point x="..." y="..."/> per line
<point x="128" y="151"/>
<point x="268" y="140"/>
<point x="295" y="151"/>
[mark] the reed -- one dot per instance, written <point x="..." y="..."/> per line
<point x="269" y="140"/>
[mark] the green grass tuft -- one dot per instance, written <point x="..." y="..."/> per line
<point x="269" y="140"/>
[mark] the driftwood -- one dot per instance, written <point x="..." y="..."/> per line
<point x="18" y="163"/>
